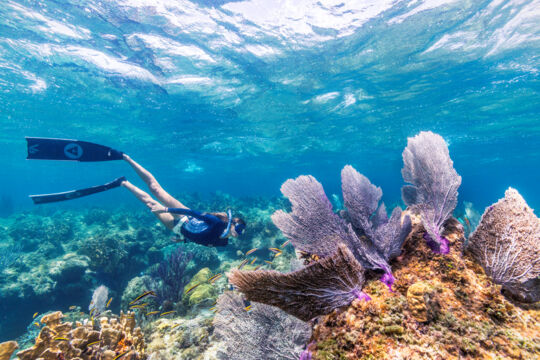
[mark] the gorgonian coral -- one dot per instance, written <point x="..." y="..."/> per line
<point x="507" y="245"/>
<point x="434" y="184"/>
<point x="264" y="332"/>
<point x="314" y="290"/>
<point x="313" y="227"/>
<point x="99" y="300"/>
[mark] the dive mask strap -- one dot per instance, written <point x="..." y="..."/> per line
<point x="228" y="229"/>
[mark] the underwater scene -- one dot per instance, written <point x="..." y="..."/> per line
<point x="269" y="179"/>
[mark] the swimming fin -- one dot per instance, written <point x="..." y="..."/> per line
<point x="74" y="194"/>
<point x="64" y="149"/>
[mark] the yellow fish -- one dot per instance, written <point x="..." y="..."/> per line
<point x="253" y="261"/>
<point x="152" y="313"/>
<point x="192" y="288"/>
<point x="108" y="303"/>
<point x="268" y="262"/>
<point x="285" y="243"/>
<point x="216" y="278"/>
<point x="146" y="293"/>
<point x="61" y="339"/>
<point x="33" y="317"/>
<point x="251" y="251"/>
<point x="277" y="254"/>
<point x="93" y="343"/>
<point x="257" y="267"/>
<point x="274" y="250"/>
<point x="212" y="308"/>
<point x="247" y="308"/>
<point x="72" y="307"/>
<point x="119" y="356"/>
<point x="167" y="313"/>
<point x="175" y="326"/>
<point x="37" y="324"/>
<point x="242" y="264"/>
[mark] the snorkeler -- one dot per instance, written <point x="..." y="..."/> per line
<point x="208" y="229"/>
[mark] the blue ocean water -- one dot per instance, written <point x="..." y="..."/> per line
<point x="238" y="96"/>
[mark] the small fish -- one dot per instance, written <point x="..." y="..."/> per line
<point x="108" y="303"/>
<point x="93" y="343"/>
<point x="119" y="356"/>
<point x="247" y="308"/>
<point x="214" y="303"/>
<point x="61" y="339"/>
<point x="242" y="264"/>
<point x="257" y="267"/>
<point x="167" y="313"/>
<point x="37" y="324"/>
<point x="92" y="311"/>
<point x="192" y="288"/>
<point x="216" y="278"/>
<point x="33" y="317"/>
<point x="268" y="262"/>
<point x="145" y="294"/>
<point x="467" y="221"/>
<point x="212" y="308"/>
<point x="277" y="254"/>
<point x="175" y="326"/>
<point x="285" y="244"/>
<point x="253" y="261"/>
<point x="72" y="307"/>
<point x="275" y="250"/>
<point x="137" y="307"/>
<point x="251" y="251"/>
<point x="152" y="313"/>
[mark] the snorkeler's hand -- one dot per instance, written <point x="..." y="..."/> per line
<point x="159" y="209"/>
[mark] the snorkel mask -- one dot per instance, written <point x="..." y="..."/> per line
<point x="239" y="228"/>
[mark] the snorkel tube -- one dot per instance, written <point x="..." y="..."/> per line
<point x="229" y="222"/>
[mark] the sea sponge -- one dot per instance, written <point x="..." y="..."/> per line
<point x="507" y="245"/>
<point x="63" y="339"/>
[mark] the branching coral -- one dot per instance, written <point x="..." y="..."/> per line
<point x="507" y="245"/>
<point x="168" y="279"/>
<point x="262" y="333"/>
<point x="309" y="292"/>
<point x="64" y="340"/>
<point x="434" y="184"/>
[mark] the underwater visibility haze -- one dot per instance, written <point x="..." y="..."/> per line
<point x="384" y="154"/>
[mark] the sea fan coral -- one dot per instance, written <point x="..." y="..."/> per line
<point x="507" y="245"/>
<point x="312" y="226"/>
<point x="264" y="332"/>
<point x="434" y="184"/>
<point x="99" y="300"/>
<point x="309" y="292"/>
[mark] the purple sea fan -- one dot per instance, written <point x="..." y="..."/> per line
<point x="312" y="226"/>
<point x="317" y="289"/>
<point x="434" y="184"/>
<point x="507" y="245"/>
<point x="263" y="332"/>
<point x="379" y="238"/>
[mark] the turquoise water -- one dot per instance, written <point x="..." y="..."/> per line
<point x="238" y="96"/>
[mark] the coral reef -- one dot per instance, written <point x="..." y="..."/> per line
<point x="434" y="183"/>
<point x="309" y="292"/>
<point x="263" y="332"/>
<point x="7" y="348"/>
<point x="8" y="255"/>
<point x="507" y="245"/>
<point x="203" y="292"/>
<point x="443" y="307"/>
<point x="64" y="340"/>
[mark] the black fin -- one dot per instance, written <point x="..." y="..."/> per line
<point x="74" y="194"/>
<point x="74" y="150"/>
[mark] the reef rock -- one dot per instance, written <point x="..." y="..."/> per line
<point x="204" y="292"/>
<point x="443" y="307"/>
<point x="7" y="348"/>
<point x="78" y="340"/>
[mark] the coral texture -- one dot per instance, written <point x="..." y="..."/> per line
<point x="507" y="245"/>
<point x="434" y="184"/>
<point x="58" y="339"/>
<point x="309" y="292"/>
<point x="443" y="307"/>
<point x="7" y="348"/>
<point x="263" y="332"/>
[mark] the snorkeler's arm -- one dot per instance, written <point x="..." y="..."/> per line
<point x="196" y="214"/>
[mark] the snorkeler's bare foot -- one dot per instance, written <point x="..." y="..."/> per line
<point x="126" y="157"/>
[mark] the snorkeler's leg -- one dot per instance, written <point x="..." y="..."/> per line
<point x="166" y="218"/>
<point x="156" y="189"/>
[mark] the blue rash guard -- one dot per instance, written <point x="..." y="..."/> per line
<point x="201" y="228"/>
